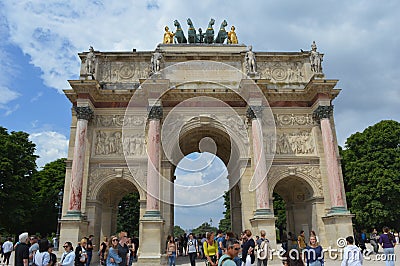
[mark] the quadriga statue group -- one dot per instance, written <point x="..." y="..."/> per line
<point x="194" y="36"/>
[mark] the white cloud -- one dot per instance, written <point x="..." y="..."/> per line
<point x="50" y="146"/>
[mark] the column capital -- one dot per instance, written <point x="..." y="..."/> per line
<point x="323" y="111"/>
<point x="83" y="112"/>
<point x="254" y="112"/>
<point x="155" y="112"/>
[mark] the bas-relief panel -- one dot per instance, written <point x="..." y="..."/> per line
<point x="123" y="71"/>
<point x="111" y="144"/>
<point x="295" y="142"/>
<point x="290" y="120"/>
<point x="280" y="72"/>
<point x="129" y="121"/>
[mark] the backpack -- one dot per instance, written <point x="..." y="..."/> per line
<point x="263" y="250"/>
<point x="225" y="259"/>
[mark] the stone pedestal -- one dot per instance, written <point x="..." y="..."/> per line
<point x="151" y="245"/>
<point x="266" y="223"/>
<point x="73" y="230"/>
<point x="337" y="226"/>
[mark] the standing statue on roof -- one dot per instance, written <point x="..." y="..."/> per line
<point x="168" y="36"/>
<point x="232" y="38"/>
<point x="156" y="62"/>
<point x="315" y="59"/>
<point x="90" y="62"/>
<point x="250" y="60"/>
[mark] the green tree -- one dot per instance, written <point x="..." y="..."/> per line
<point x="48" y="183"/>
<point x="128" y="214"/>
<point x="17" y="166"/>
<point x="225" y="223"/>
<point x="178" y="231"/>
<point x="280" y="212"/>
<point x="205" y="227"/>
<point x="371" y="170"/>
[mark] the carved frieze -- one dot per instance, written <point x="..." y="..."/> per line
<point x="111" y="143"/>
<point x="129" y="121"/>
<point x="289" y="72"/>
<point x="289" y="120"/>
<point x="123" y="71"/>
<point x="299" y="142"/>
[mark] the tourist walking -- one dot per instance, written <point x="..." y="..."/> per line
<point x="111" y="254"/>
<point x="248" y="246"/>
<point x="352" y="255"/>
<point x="102" y="250"/>
<point x="301" y="241"/>
<point x="374" y="240"/>
<point x="232" y="251"/>
<point x="68" y="257"/>
<point x="313" y="253"/>
<point x="22" y="251"/>
<point x="192" y="249"/>
<point x="42" y="256"/>
<point x="33" y="248"/>
<point x="211" y="250"/>
<point x="7" y="249"/>
<point x="80" y="253"/>
<point x="262" y="249"/>
<point x="171" y="251"/>
<point x="89" y="250"/>
<point x="388" y="242"/>
<point x="123" y="249"/>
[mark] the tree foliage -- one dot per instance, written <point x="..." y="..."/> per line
<point x="128" y="214"/>
<point x="280" y="212"/>
<point x="48" y="183"/>
<point x="178" y="231"/>
<point x="17" y="166"/>
<point x="204" y="228"/>
<point x="371" y="170"/>
<point x="225" y="224"/>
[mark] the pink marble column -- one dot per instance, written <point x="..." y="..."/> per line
<point x="260" y="167"/>
<point x="153" y="175"/>
<point x="323" y="113"/>
<point x="75" y="195"/>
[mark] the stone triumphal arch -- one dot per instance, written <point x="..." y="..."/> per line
<point x="136" y="114"/>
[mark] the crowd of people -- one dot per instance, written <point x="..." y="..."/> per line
<point x="245" y="250"/>
<point x="215" y="249"/>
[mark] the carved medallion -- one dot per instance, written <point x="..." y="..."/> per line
<point x="126" y="72"/>
<point x="279" y="74"/>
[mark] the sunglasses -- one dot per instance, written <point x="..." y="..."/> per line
<point x="237" y="248"/>
<point x="65" y="246"/>
<point x="115" y="239"/>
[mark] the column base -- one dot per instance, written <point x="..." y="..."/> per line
<point x="74" y="215"/>
<point x="266" y="223"/>
<point x="152" y="214"/>
<point x="337" y="226"/>
<point x="72" y="229"/>
<point x="338" y="210"/>
<point x="151" y="244"/>
<point x="263" y="212"/>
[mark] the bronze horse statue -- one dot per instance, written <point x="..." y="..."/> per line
<point x="222" y="35"/>
<point x="209" y="35"/>
<point x="191" y="32"/>
<point x="179" y="35"/>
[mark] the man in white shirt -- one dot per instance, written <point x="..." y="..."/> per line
<point x="7" y="249"/>
<point x="352" y="255"/>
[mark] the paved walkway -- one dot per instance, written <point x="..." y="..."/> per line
<point x="369" y="261"/>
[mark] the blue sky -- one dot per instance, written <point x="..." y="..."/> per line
<point x="40" y="41"/>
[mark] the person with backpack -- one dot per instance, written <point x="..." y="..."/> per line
<point x="262" y="249"/>
<point x="192" y="249"/>
<point x="248" y="246"/>
<point x="211" y="250"/>
<point x="232" y="251"/>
